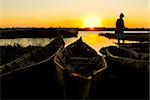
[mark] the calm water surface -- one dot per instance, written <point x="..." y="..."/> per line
<point x="90" y="37"/>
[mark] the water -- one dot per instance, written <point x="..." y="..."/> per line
<point x="90" y="37"/>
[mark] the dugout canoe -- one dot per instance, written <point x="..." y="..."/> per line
<point x="77" y="66"/>
<point x="33" y="58"/>
<point x="125" y="61"/>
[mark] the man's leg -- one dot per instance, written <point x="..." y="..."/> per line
<point x="122" y="36"/>
<point x="119" y="41"/>
<point x="123" y="40"/>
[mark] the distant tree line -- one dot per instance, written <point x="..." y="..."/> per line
<point x="37" y="32"/>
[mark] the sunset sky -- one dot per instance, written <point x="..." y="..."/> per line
<point x="73" y="13"/>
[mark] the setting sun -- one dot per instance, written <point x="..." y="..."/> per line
<point x="91" y="22"/>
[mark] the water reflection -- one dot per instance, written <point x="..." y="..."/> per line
<point x="97" y="42"/>
<point x="90" y="37"/>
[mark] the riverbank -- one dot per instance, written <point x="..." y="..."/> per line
<point x="129" y="36"/>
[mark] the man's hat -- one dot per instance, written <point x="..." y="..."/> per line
<point x="121" y="15"/>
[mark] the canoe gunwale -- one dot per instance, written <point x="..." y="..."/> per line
<point x="105" y="64"/>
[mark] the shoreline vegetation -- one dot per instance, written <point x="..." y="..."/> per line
<point x="10" y="33"/>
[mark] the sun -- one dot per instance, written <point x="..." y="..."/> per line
<point x="91" y="22"/>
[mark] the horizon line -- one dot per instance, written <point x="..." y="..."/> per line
<point x="76" y="27"/>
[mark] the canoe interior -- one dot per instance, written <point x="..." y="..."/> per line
<point x="80" y="58"/>
<point x="142" y="47"/>
<point x="126" y="53"/>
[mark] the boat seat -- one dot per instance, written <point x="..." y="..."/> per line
<point x="82" y="63"/>
<point x="81" y="69"/>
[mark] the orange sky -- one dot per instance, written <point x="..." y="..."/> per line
<point x="73" y="13"/>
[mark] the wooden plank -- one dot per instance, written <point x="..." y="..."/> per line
<point x="78" y="58"/>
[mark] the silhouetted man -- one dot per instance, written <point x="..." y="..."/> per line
<point x="119" y="28"/>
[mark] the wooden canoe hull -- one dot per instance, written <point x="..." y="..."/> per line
<point x="74" y="83"/>
<point x="33" y="79"/>
<point x="33" y="58"/>
<point x="129" y="62"/>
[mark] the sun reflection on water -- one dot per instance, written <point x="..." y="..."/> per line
<point x="96" y="41"/>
